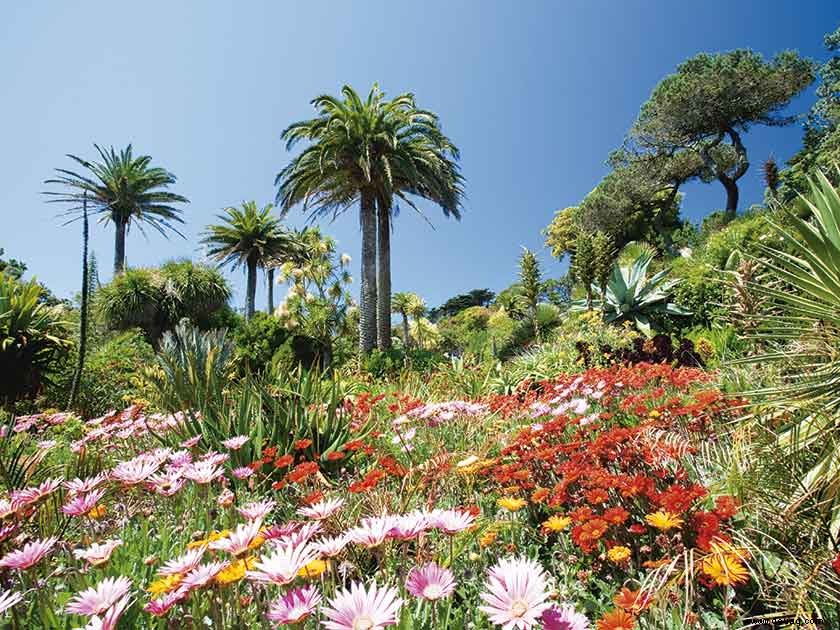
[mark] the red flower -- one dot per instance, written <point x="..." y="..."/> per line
<point x="835" y="564"/>
<point x="300" y="445"/>
<point x="726" y="507"/>
<point x="334" y="456"/>
<point x="284" y="461"/>
<point x="615" y="515"/>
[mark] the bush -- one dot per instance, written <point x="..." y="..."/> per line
<point x="701" y="292"/>
<point x="258" y="341"/>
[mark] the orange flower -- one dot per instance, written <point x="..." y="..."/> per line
<point x="300" y="445"/>
<point x="335" y="456"/>
<point x="284" y="461"/>
<point x="632" y="601"/>
<point x="616" y="620"/>
<point x="539" y="495"/>
<point x="353" y="445"/>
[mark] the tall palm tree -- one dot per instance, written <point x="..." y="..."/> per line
<point x="366" y="152"/>
<point x="253" y="238"/>
<point x="123" y="189"/>
<point x="401" y="303"/>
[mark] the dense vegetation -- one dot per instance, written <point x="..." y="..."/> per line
<point x="647" y="442"/>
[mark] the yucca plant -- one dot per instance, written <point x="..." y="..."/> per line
<point x="631" y="296"/>
<point x="800" y="328"/>
<point x="33" y="336"/>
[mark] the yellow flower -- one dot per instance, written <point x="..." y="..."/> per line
<point x="313" y="569"/>
<point x="556" y="524"/>
<point x="165" y="584"/>
<point x="725" y="569"/>
<point x="511" y="504"/>
<point x="210" y="538"/>
<point x="97" y="512"/>
<point x="488" y="539"/>
<point x="235" y="571"/>
<point x="618" y="554"/>
<point x="654" y="413"/>
<point x="664" y="520"/>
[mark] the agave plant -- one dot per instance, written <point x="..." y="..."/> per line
<point x="631" y="296"/>
<point x="799" y="327"/>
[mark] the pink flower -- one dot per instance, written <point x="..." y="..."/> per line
<point x="516" y="594"/>
<point x="300" y="534"/>
<point x="81" y="504"/>
<point x="357" y="608"/>
<point x="283" y="563"/>
<point x="257" y="510"/>
<point x="201" y="575"/>
<point x="202" y="472"/>
<point x="31" y="554"/>
<point x="331" y="546"/>
<point x="235" y="443"/>
<point x="180" y="458"/>
<point x="183" y="564"/>
<point x="214" y="458"/>
<point x="372" y="532"/>
<point x="322" y="510"/>
<point x="28" y="496"/>
<point x="95" y="601"/>
<point x="159" y="607"/>
<point x="295" y="606"/>
<point x="452" y="521"/>
<point x="166" y="484"/>
<point x="6" y="531"/>
<point x="191" y="441"/>
<point x="135" y="470"/>
<point x="564" y="618"/>
<point x="243" y="472"/>
<point x="239" y="540"/>
<point x="8" y="599"/>
<point x="430" y="582"/>
<point x="281" y="532"/>
<point x="97" y="554"/>
<point x="409" y="526"/>
<point x="81" y="486"/>
<point x="109" y="620"/>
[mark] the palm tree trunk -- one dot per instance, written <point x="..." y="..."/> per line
<point x="383" y="304"/>
<point x="406" y="334"/>
<point x="270" y="290"/>
<point x="251" y="291"/>
<point x="119" y="246"/>
<point x="83" y="314"/>
<point x="367" y="302"/>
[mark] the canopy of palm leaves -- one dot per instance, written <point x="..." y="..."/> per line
<point x="251" y="238"/>
<point x="798" y="328"/>
<point x="368" y="152"/>
<point x="631" y="296"/>
<point x="123" y="189"/>
<point x="32" y="337"/>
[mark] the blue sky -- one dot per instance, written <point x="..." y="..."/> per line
<point x="534" y="93"/>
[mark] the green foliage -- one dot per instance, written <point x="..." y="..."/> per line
<point x="700" y="291"/>
<point x="156" y="299"/>
<point x="745" y="235"/>
<point x="11" y="267"/>
<point x="631" y="296"/>
<point x="33" y="337"/>
<point x="258" y="341"/>
<point x="458" y="303"/>
<point x="583" y="264"/>
<point x="530" y="282"/>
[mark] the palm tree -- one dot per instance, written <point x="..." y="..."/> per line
<point x="83" y="308"/>
<point x="253" y="238"/>
<point x="401" y="303"/>
<point x="417" y="309"/>
<point x="123" y="189"/>
<point x="367" y="152"/>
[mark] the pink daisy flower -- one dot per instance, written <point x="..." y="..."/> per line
<point x="9" y="599"/>
<point x="357" y="608"/>
<point x="81" y="486"/>
<point x="331" y="546"/>
<point x="322" y="509"/>
<point x="201" y="575"/>
<point x="180" y="458"/>
<point x="409" y="526"/>
<point x="243" y="472"/>
<point x="162" y="605"/>
<point x="236" y="442"/>
<point x="6" y="531"/>
<point x="202" y="472"/>
<point x="28" y="496"/>
<point x="95" y="601"/>
<point x="109" y="620"/>
<point x="452" y="521"/>
<point x="214" y="458"/>
<point x="183" y="564"/>
<point x="295" y="606"/>
<point x="280" y="532"/>
<point x="516" y="594"/>
<point x="283" y="563"/>
<point x="166" y="484"/>
<point x="135" y="470"/>
<point x="300" y="534"/>
<point x="97" y="553"/>
<point x="31" y="554"/>
<point x="430" y="582"/>
<point x="81" y="504"/>
<point x="257" y="510"/>
<point x="372" y="532"/>
<point x="6" y="508"/>
<point x="189" y="443"/>
<point x="239" y="540"/>
<point x="564" y="618"/>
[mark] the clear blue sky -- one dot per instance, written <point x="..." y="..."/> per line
<point x="534" y="93"/>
